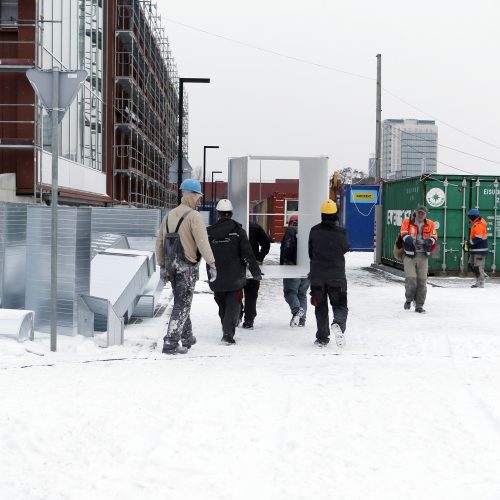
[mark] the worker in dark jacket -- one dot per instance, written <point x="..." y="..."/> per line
<point x="233" y="252"/>
<point x="261" y="244"/>
<point x="327" y="246"/>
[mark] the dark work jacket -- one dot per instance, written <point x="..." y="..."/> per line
<point x="259" y="241"/>
<point x="232" y="252"/>
<point x="327" y="246"/>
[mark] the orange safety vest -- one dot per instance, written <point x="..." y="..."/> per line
<point x="478" y="237"/>
<point x="409" y="227"/>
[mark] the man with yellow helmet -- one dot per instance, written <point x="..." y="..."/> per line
<point x="327" y="246"/>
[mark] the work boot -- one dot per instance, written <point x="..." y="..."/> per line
<point x="248" y="324"/>
<point x="228" y="340"/>
<point x="322" y="342"/>
<point x="190" y="341"/>
<point x="407" y="305"/>
<point x="174" y="349"/>
<point x="296" y="315"/>
<point x="339" y="335"/>
<point x="477" y="285"/>
<point x="302" y="322"/>
<point x="419" y="309"/>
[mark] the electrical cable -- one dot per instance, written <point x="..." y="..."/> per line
<point x="331" y="68"/>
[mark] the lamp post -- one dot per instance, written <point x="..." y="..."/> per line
<point x="213" y="199"/>
<point x="181" y="113"/>
<point x="204" y="170"/>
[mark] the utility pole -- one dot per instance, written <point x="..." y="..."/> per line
<point x="53" y="205"/>
<point x="378" y="172"/>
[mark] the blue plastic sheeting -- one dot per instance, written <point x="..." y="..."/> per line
<point x="357" y="215"/>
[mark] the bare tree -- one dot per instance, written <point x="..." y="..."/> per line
<point x="197" y="173"/>
<point x="353" y="176"/>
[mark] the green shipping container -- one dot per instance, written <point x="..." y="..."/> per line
<point x="448" y="198"/>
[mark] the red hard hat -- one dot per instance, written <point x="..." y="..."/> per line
<point x="293" y="219"/>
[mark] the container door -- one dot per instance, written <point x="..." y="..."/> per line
<point x="446" y="200"/>
<point x="358" y="216"/>
<point x="399" y="200"/>
<point x="485" y="196"/>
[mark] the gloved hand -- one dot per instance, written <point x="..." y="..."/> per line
<point x="428" y="242"/>
<point x="257" y="277"/>
<point x="259" y="262"/>
<point x="212" y="274"/>
<point x="466" y="247"/>
<point x="409" y="244"/>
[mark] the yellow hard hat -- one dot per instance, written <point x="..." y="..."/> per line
<point x="329" y="207"/>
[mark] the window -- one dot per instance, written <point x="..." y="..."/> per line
<point x="291" y="208"/>
<point x="8" y="12"/>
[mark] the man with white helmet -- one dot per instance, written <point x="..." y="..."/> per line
<point x="233" y="254"/>
<point x="184" y="225"/>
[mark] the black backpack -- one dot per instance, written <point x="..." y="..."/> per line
<point x="288" y="250"/>
<point x="172" y="247"/>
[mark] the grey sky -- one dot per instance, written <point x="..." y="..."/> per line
<point x="441" y="56"/>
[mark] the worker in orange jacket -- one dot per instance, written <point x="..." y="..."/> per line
<point x="419" y="238"/>
<point x="477" y="246"/>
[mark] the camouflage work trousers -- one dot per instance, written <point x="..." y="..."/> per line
<point x="179" y="326"/>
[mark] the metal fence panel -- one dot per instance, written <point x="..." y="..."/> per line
<point x="13" y="218"/>
<point x="73" y="265"/>
<point x="126" y="221"/>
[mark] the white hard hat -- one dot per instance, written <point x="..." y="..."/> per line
<point x="224" y="205"/>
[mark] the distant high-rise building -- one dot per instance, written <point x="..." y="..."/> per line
<point x="372" y="167"/>
<point x="409" y="148"/>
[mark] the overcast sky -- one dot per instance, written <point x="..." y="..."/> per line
<point x="440" y="56"/>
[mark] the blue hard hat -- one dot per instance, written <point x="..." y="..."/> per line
<point x="191" y="185"/>
<point x="474" y="212"/>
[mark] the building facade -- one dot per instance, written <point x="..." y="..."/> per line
<point x="120" y="134"/>
<point x="409" y="148"/>
<point x="144" y="108"/>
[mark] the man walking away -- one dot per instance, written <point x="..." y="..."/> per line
<point x="181" y="240"/>
<point x="477" y="246"/>
<point x="327" y="246"/>
<point x="233" y="254"/>
<point x="261" y="244"/>
<point x="419" y="239"/>
<point x="294" y="289"/>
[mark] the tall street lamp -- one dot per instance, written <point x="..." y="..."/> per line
<point x="204" y="170"/>
<point x="213" y="201"/>
<point x="181" y="113"/>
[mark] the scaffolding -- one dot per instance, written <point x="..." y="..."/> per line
<point x="20" y="122"/>
<point x="145" y="107"/>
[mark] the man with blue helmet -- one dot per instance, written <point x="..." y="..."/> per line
<point x="185" y="224"/>
<point x="477" y="246"/>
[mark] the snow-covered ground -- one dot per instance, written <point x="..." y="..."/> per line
<point x="409" y="409"/>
